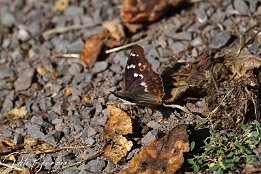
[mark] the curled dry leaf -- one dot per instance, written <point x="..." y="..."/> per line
<point x="60" y="5"/>
<point x="118" y="124"/>
<point x="164" y="155"/>
<point x="17" y="113"/>
<point x="115" y="28"/>
<point x="241" y="65"/>
<point x="134" y="11"/>
<point x="92" y="48"/>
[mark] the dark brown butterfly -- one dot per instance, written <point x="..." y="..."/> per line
<point x="141" y="85"/>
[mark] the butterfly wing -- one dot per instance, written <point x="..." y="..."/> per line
<point x="141" y="83"/>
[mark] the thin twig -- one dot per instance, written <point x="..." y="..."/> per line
<point x="15" y="167"/>
<point x="125" y="46"/>
<point x="66" y="55"/>
<point x="178" y="107"/>
<point x="212" y="112"/>
<point x="47" y="33"/>
<point x="96" y="154"/>
<point x="55" y="149"/>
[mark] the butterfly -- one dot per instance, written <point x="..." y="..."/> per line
<point x="141" y="84"/>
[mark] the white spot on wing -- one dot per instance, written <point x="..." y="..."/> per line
<point x="131" y="66"/>
<point x="139" y="64"/>
<point x="145" y="86"/>
<point x="141" y="76"/>
<point x="135" y="75"/>
<point x="132" y="54"/>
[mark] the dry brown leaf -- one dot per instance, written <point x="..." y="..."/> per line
<point x="115" y="28"/>
<point x="133" y="11"/>
<point x="6" y="145"/>
<point x="17" y="113"/>
<point x="68" y="91"/>
<point x="60" y="5"/>
<point x="92" y="48"/>
<point x="164" y="155"/>
<point x="118" y="124"/>
<point x="241" y="65"/>
<point x="249" y="169"/>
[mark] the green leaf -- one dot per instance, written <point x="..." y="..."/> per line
<point x="192" y="145"/>
<point x="203" y="121"/>
<point x="215" y="168"/>
<point x="191" y="161"/>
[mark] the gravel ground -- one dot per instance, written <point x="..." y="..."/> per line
<point x="31" y="77"/>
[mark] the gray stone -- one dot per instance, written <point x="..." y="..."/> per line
<point x="99" y="120"/>
<point x="57" y="121"/>
<point x="34" y="131"/>
<point x="70" y="170"/>
<point x="121" y="59"/>
<point x="153" y="124"/>
<point x="66" y="131"/>
<point x="75" y="69"/>
<point x="220" y="39"/>
<point x="201" y="13"/>
<point x="60" y="44"/>
<point x="176" y="46"/>
<point x="23" y="34"/>
<point x="57" y="108"/>
<point x="241" y="6"/>
<point x="90" y="141"/>
<point x="116" y="68"/>
<point x="150" y="136"/>
<point x="253" y="5"/>
<point x="7" y="133"/>
<point x="8" y="102"/>
<point x="73" y="11"/>
<point x="7" y="18"/>
<point x="24" y="80"/>
<point x="76" y="46"/>
<point x="48" y="162"/>
<point x="99" y="67"/>
<point x="45" y="104"/>
<point x="87" y="77"/>
<point x="18" y="139"/>
<point x="6" y="73"/>
<point x="33" y="15"/>
<point x="183" y="36"/>
<point x="98" y="108"/>
<point x="95" y="165"/>
<point x="76" y="93"/>
<point x="6" y="42"/>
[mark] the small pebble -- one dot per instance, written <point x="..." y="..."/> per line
<point x="220" y="39"/>
<point x="241" y="6"/>
<point x="99" y="67"/>
<point x="183" y="36"/>
<point x="24" y="80"/>
<point x="7" y="19"/>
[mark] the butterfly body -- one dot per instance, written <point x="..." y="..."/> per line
<point x="141" y="85"/>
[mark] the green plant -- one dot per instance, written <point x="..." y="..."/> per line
<point x="226" y="151"/>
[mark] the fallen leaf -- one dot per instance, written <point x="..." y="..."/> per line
<point x="133" y="11"/>
<point x="133" y="28"/>
<point x="40" y="70"/>
<point x="60" y="5"/>
<point x="6" y="145"/>
<point x="17" y="113"/>
<point x="68" y="91"/>
<point x="249" y="169"/>
<point x="119" y="124"/>
<point x="241" y="65"/>
<point x="115" y="28"/>
<point x="163" y="155"/>
<point x="92" y="48"/>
